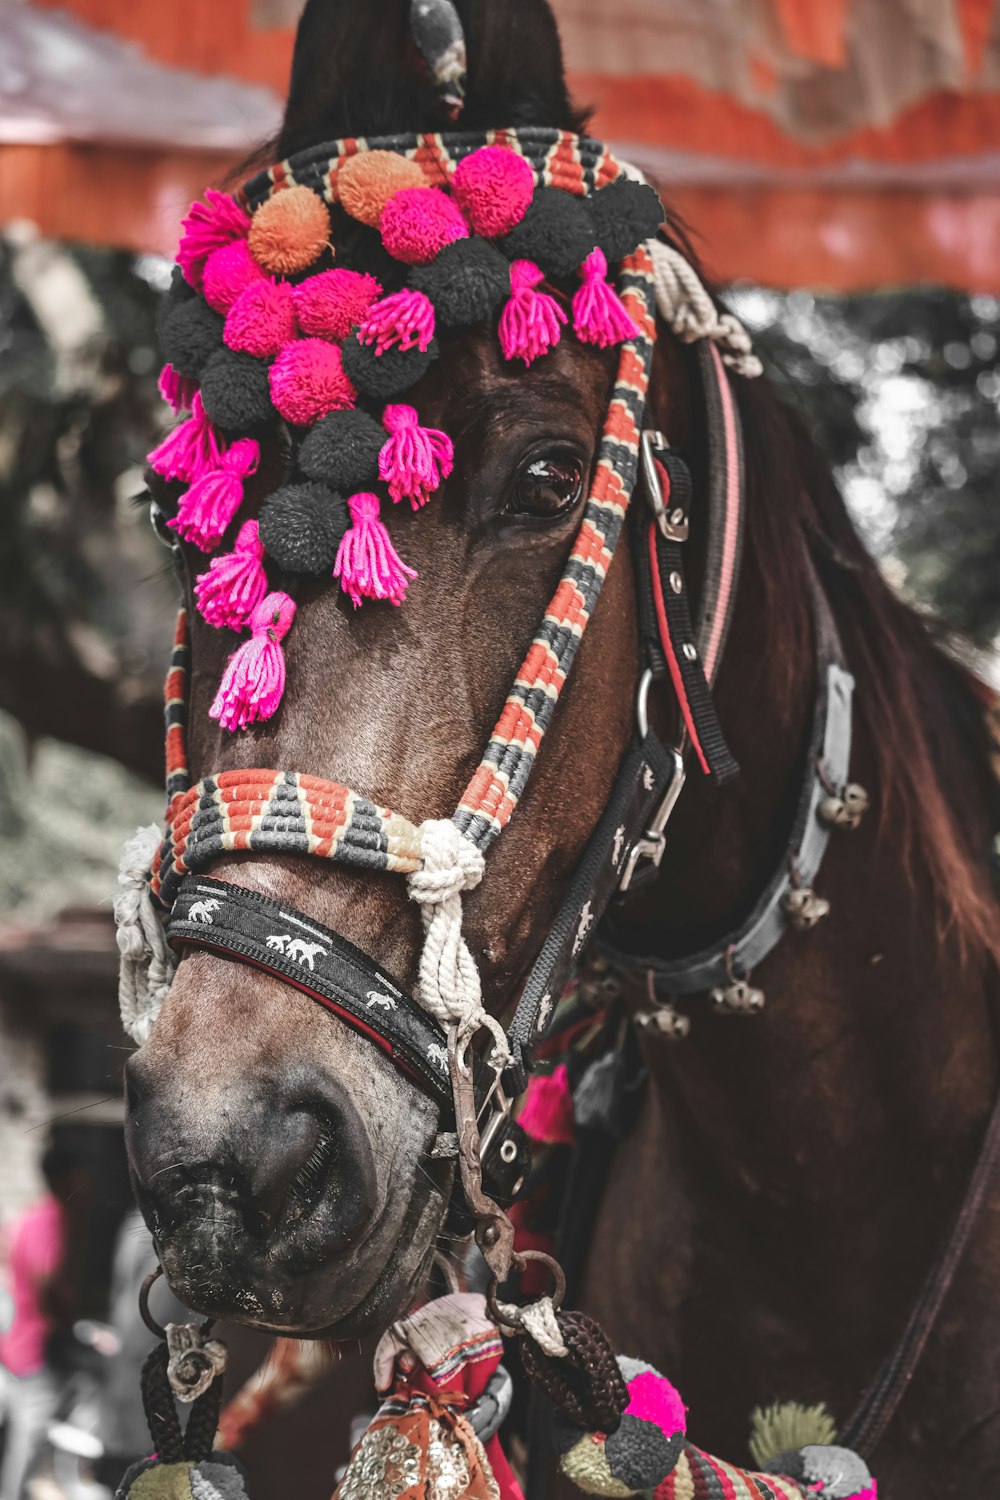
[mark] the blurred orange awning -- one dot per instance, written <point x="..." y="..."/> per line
<point x="831" y="143"/>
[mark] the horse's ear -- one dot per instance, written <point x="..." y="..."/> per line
<point x="357" y="71"/>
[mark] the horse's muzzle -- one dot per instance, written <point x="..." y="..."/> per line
<point x="254" y="1190"/>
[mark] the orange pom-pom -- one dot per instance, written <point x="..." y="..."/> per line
<point x="367" y="181"/>
<point x="289" y="231"/>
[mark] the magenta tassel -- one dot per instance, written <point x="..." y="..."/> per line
<point x="368" y="565"/>
<point x="254" y="679"/>
<point x="599" y="315"/>
<point x="529" y="324"/>
<point x="405" y="318"/>
<point x="547" y="1114"/>
<point x="416" y="460"/>
<point x="235" y="584"/>
<point x="192" y="449"/>
<point x="206" y="509"/>
<point x="177" y="391"/>
<point x="208" y="226"/>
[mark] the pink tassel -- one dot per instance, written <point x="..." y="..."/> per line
<point x="207" y="227"/>
<point x="254" y="679"/>
<point x="206" y="509"/>
<point x="405" y="318"/>
<point x="234" y="584"/>
<point x="548" y="1109"/>
<point x="416" y="460"/>
<point x="192" y="449"/>
<point x="177" y="391"/>
<point x="599" y="315"/>
<point x="529" y="324"/>
<point x="367" y="563"/>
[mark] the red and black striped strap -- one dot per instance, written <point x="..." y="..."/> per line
<point x="669" y="639"/>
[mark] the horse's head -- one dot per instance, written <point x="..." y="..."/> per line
<point x="285" y="1164"/>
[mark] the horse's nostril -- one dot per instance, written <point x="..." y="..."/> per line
<point x="277" y="1170"/>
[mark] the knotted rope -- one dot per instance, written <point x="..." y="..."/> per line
<point x="685" y="305"/>
<point x="450" y="987"/>
<point x="147" y="964"/>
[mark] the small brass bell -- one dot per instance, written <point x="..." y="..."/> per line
<point x="844" y="809"/>
<point x="804" y="908"/>
<point x="738" y="997"/>
<point x="665" y="1021"/>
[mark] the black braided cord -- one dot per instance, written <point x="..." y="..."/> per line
<point x="160" y="1408"/>
<point x="203" y="1423"/>
<point x="588" y="1385"/>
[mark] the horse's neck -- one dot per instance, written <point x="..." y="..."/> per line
<point x="808" y="1158"/>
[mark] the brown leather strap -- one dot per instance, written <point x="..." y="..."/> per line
<point x="866" y="1427"/>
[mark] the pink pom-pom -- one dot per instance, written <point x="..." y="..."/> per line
<point x="254" y="679"/>
<point x="227" y="272"/>
<point x="330" y="304"/>
<point x="599" y="315"/>
<point x="368" y="565"/>
<point x="530" y="322"/>
<point x="418" y="222"/>
<point x="307" y="380"/>
<point x="415" y="460"/>
<point x="262" y="319"/>
<point x="548" y="1109"/>
<point x="206" y="509"/>
<point x="193" y="448"/>
<point x="653" y="1398"/>
<point x="217" y="221"/>
<point x="235" y="584"/>
<point x="406" y="318"/>
<point x="177" y="391"/>
<point x="493" y="187"/>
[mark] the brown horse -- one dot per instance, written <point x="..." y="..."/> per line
<point x="768" y="1223"/>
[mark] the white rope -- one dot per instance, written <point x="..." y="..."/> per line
<point x="147" y="964"/>
<point x="538" y="1319"/>
<point x="686" y="307"/>
<point x="450" y="987"/>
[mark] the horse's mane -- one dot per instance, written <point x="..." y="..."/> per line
<point x="925" y="713"/>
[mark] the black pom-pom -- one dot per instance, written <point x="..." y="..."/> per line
<point x="383" y="376"/>
<point x="556" y="233"/>
<point x="466" y="281"/>
<point x="625" y="213"/>
<point x="342" y="451"/>
<point x="191" y="333"/>
<point x="235" y="392"/>
<point x="640" y="1454"/>
<point x="177" y="293"/>
<point x="301" y="526"/>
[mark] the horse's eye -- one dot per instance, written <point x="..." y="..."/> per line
<point x="159" y="522"/>
<point x="547" y="487"/>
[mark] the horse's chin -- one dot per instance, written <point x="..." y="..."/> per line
<point x="217" y="1270"/>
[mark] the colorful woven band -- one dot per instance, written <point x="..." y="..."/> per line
<point x="574" y="163"/>
<point x="286" y="811"/>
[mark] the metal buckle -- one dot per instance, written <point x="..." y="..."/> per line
<point x="643" y="859"/>
<point x="673" y="523"/>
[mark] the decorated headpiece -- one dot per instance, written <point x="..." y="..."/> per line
<point x="317" y="297"/>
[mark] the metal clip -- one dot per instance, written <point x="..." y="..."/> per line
<point x="673" y="522"/>
<point x="643" y="858"/>
<point x="494" y="1231"/>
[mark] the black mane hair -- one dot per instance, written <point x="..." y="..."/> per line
<point x="356" y="71"/>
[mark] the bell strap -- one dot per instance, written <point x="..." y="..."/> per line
<point x="241" y="924"/>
